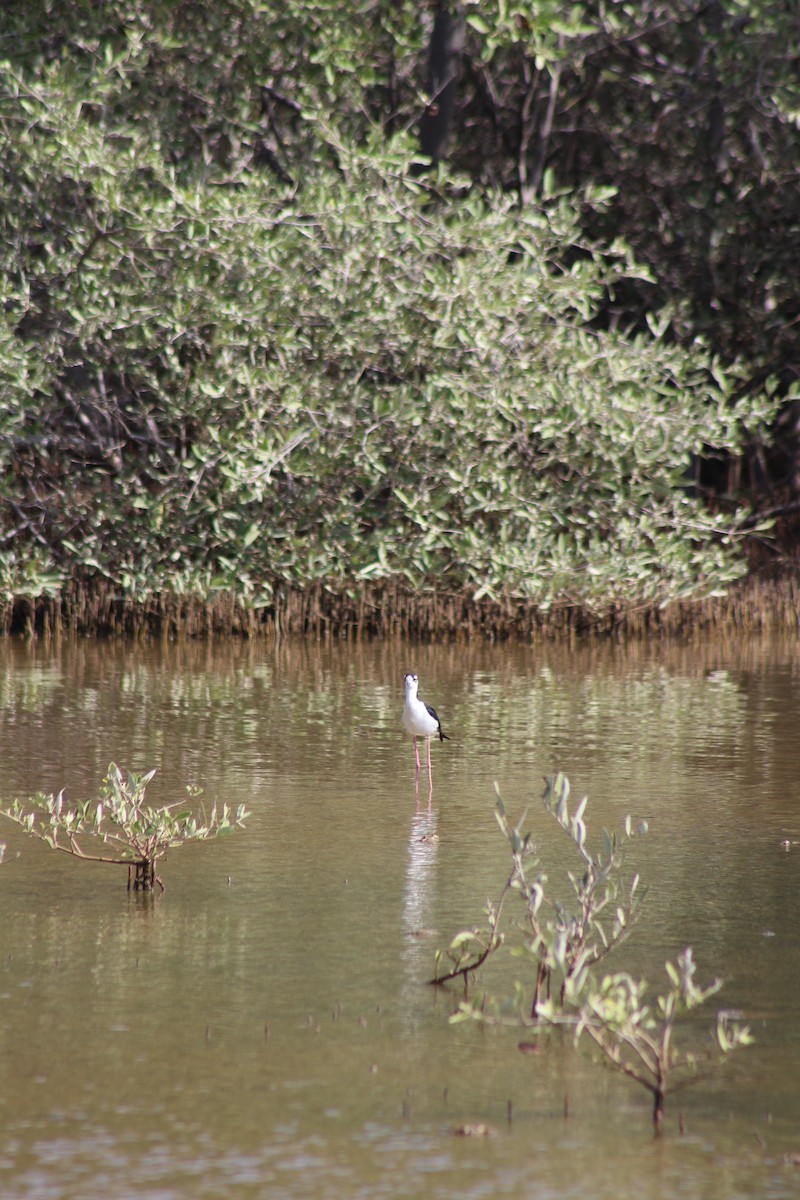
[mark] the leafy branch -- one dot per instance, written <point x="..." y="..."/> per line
<point x="133" y="833"/>
<point x="557" y="938"/>
<point x="638" y="1041"/>
<point x="565" y="941"/>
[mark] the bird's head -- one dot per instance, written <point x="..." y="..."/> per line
<point x="411" y="683"/>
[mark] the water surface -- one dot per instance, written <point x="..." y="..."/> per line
<point x="264" y="1027"/>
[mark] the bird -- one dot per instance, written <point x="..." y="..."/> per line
<point x="421" y="721"/>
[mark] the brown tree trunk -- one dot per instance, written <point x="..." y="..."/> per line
<point x="444" y="59"/>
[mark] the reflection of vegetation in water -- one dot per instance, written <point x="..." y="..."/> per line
<point x="245" y="702"/>
<point x="28" y="690"/>
<point x="240" y="706"/>
<point x="551" y="709"/>
<point x="146" y="977"/>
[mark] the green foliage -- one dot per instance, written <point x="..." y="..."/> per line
<point x="687" y="112"/>
<point x="638" y="1040"/>
<point x="350" y="384"/>
<point x="242" y="347"/>
<point x="559" y="940"/>
<point x="561" y="943"/>
<point x="134" y="833"/>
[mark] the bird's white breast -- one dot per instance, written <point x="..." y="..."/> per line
<point x="416" y="718"/>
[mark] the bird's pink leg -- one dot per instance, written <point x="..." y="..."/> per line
<point x="430" y="769"/>
<point x="416" y="753"/>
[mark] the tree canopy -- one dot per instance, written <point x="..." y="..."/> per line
<point x="252" y="337"/>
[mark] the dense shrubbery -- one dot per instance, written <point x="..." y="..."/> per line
<point x="241" y="346"/>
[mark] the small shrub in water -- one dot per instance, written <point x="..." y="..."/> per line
<point x="565" y="941"/>
<point x="557" y="939"/>
<point x="638" y="1040"/>
<point x="121" y="827"/>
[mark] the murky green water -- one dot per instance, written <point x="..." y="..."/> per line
<point x="263" y="1028"/>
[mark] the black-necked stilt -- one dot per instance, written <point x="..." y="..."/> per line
<point x="421" y="721"/>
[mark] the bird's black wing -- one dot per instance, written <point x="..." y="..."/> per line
<point x="432" y="711"/>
